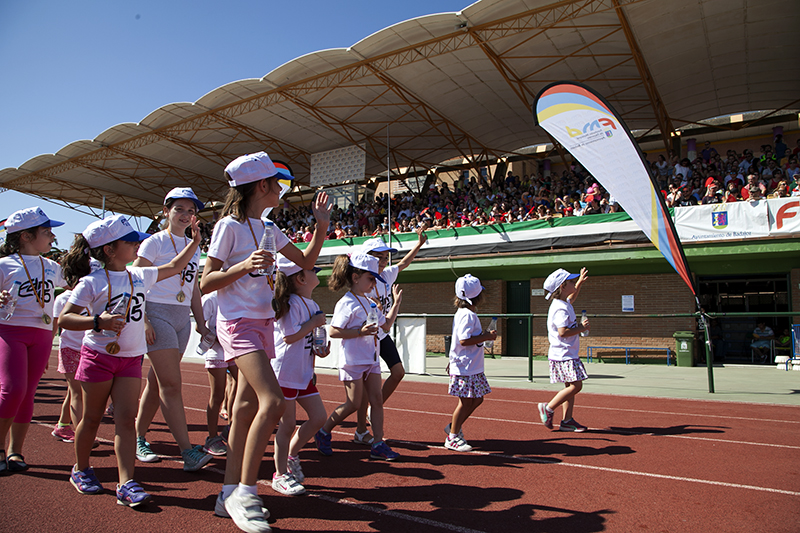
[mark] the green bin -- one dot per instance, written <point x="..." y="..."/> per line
<point x="684" y="347"/>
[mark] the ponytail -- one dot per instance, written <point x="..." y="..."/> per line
<point x="75" y="264"/>
<point x="283" y="290"/>
<point x="342" y="275"/>
<point x="237" y="200"/>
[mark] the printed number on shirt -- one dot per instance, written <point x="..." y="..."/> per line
<point x="28" y="291"/>
<point x="188" y="273"/>
<point x="135" y="313"/>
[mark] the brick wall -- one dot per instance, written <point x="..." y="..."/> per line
<point x="653" y="294"/>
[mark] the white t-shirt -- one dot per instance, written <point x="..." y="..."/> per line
<point x="465" y="360"/>
<point x="561" y="315"/>
<point x="249" y="296"/>
<point x="215" y="353"/>
<point x="383" y="292"/>
<point x="28" y="311"/>
<point x="351" y="312"/>
<point x="68" y="338"/>
<point x="159" y="251"/>
<point x="294" y="363"/>
<point x="92" y="293"/>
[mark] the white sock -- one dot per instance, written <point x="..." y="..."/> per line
<point x="227" y="490"/>
<point x="248" y="489"/>
<point x="548" y="409"/>
<point x="452" y="436"/>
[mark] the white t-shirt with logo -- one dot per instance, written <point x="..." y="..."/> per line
<point x="294" y="363"/>
<point x="28" y="311"/>
<point x="383" y="292"/>
<point x="465" y="360"/>
<point x="251" y="295"/>
<point x="561" y="315"/>
<point x="158" y="249"/>
<point x="350" y="313"/>
<point x="92" y="293"/>
<point x="68" y="338"/>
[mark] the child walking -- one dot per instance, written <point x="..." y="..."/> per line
<point x="467" y="380"/>
<point x="359" y="368"/>
<point x="26" y="337"/>
<point x="236" y="268"/>
<point x="69" y="355"/>
<point x="296" y="317"/>
<point x="562" y="332"/>
<point x="114" y="344"/>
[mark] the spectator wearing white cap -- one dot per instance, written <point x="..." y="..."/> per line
<point x="467" y="379"/>
<point x="383" y="294"/>
<point x="168" y="327"/>
<point x="245" y="320"/>
<point x="26" y="337"/>
<point x="296" y="317"/>
<point x="562" y="332"/>
<point x="114" y="344"/>
<point x="359" y="368"/>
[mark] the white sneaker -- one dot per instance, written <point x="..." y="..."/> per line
<point x="287" y="484"/>
<point x="457" y="444"/>
<point x="363" y="438"/>
<point x="246" y="511"/>
<point x="293" y="463"/>
<point x="219" y="508"/>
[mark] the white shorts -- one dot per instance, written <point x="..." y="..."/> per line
<point x="355" y="372"/>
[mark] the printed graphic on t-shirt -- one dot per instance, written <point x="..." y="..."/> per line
<point x="28" y="290"/>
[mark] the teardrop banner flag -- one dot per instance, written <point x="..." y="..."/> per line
<point x="589" y="128"/>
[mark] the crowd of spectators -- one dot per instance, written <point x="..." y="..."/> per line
<point x="475" y="201"/>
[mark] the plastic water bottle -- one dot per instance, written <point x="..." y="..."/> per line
<point x="7" y="310"/>
<point x="319" y="336"/>
<point x="120" y="308"/>
<point x="268" y="244"/>
<point x="372" y="316"/>
<point x="583" y="317"/>
<point x="206" y="342"/>
<point x="492" y="327"/>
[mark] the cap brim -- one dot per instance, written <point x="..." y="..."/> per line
<point x="377" y="276"/>
<point x="573" y="276"/>
<point x="134" y="236"/>
<point x="52" y="224"/>
<point x="384" y="249"/>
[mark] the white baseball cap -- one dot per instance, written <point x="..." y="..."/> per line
<point x="254" y="167"/>
<point x="366" y="262"/>
<point x="288" y="267"/>
<point x="554" y="281"/>
<point x="32" y="217"/>
<point x="468" y="286"/>
<point x="186" y="193"/>
<point x="376" y="245"/>
<point x="110" y="229"/>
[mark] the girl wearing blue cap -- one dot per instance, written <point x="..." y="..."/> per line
<point x="562" y="332"/>
<point x="359" y="368"/>
<point x="26" y="336"/>
<point x="168" y="328"/>
<point x="114" y="344"/>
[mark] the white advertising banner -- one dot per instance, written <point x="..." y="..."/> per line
<point x="784" y="216"/>
<point x="719" y="222"/>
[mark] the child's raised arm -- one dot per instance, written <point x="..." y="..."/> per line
<point x="578" y="284"/>
<point x="305" y="259"/>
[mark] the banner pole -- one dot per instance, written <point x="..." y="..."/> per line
<point x="389" y="191"/>
<point x="707" y="343"/>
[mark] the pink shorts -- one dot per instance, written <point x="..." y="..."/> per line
<point x="68" y="360"/>
<point x="242" y="336"/>
<point x="96" y="367"/>
<point x="353" y="372"/>
<point x="294" y="394"/>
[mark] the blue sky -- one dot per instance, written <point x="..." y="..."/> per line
<point x="74" y="69"/>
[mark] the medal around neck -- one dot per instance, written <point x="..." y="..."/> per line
<point x="181" y="296"/>
<point x="112" y="348"/>
<point x="46" y="318"/>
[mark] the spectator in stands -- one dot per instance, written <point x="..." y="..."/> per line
<point x="795" y="188"/>
<point x="712" y="195"/>
<point x="781" y="191"/>
<point x="684" y="168"/>
<point x="746" y="163"/>
<point x="685" y="199"/>
<point x="752" y="182"/>
<point x="708" y="152"/>
<point x="762" y="336"/>
<point x="780" y="148"/>
<point x="732" y="193"/>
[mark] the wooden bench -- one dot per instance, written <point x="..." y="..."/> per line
<point x="628" y="349"/>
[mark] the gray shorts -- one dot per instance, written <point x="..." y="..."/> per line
<point x="171" y="324"/>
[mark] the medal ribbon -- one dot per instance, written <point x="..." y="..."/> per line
<point x="39" y="300"/>
<point x="374" y="337"/>
<point x="176" y="252"/>
<point x="128" y="307"/>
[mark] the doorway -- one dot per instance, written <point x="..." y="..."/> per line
<point x="518" y="301"/>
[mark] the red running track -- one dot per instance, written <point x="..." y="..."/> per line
<point x="646" y="465"/>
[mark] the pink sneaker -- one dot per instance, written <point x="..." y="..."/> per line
<point x="64" y="433"/>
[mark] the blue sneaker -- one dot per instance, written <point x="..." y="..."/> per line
<point x="131" y="494"/>
<point x="85" y="481"/>
<point x="323" y="441"/>
<point x="381" y="450"/>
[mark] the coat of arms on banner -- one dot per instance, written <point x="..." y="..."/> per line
<point x="719" y="219"/>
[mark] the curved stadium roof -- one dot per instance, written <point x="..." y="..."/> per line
<point x="452" y="85"/>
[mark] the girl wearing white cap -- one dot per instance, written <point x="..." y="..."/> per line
<point x="383" y="294"/>
<point x="168" y="328"/>
<point x="467" y="380"/>
<point x="245" y="321"/>
<point x="296" y="317"/>
<point x="359" y="368"/>
<point x="26" y="336"/>
<point x="562" y="332"/>
<point x="114" y="344"/>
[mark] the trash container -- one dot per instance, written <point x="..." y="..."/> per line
<point x="684" y="347"/>
<point x="448" y="339"/>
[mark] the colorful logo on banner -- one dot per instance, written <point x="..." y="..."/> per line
<point x="584" y="123"/>
<point x="719" y="219"/>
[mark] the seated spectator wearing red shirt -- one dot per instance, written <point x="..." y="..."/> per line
<point x="732" y="193"/>
<point x="752" y="181"/>
<point x="781" y="191"/>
